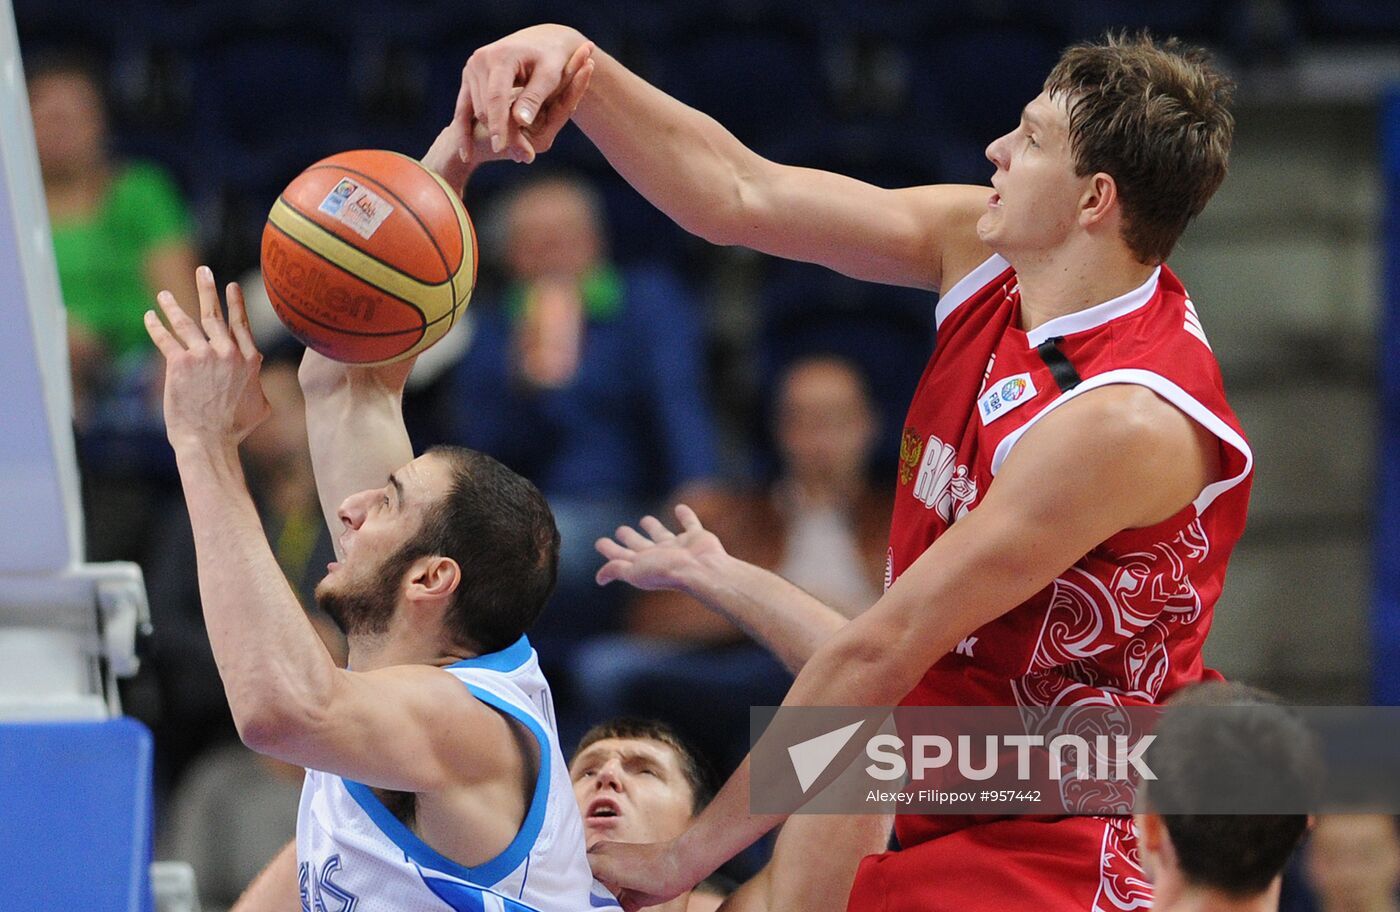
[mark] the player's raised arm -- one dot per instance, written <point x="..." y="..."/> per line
<point x="699" y="174"/>
<point x="1124" y="459"/>
<point x="787" y="621"/>
<point x="397" y="727"/>
<point x="354" y="415"/>
<point x="355" y="429"/>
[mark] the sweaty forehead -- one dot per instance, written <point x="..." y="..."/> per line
<point x="423" y="479"/>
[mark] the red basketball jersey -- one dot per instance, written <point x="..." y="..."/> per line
<point x="1126" y="623"/>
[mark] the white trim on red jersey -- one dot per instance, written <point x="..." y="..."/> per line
<point x="1098" y="315"/>
<point x="1168" y="391"/>
<point x="969" y="285"/>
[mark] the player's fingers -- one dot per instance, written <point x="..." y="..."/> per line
<point x="656" y="529"/>
<point x="181" y="326"/>
<point x="499" y="81"/>
<point x="238" y="321"/>
<point x="689" y="521"/>
<point x="613" y="551"/>
<point x="211" y="315"/>
<point x="631" y="538"/>
<point x="574" y="91"/>
<point x="478" y="93"/>
<point x="165" y="343"/>
<point x="581" y="55"/>
<point x="543" y="83"/>
<point x="611" y="571"/>
<point x="464" y="113"/>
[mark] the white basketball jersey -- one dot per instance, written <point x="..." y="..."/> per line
<point x="355" y="856"/>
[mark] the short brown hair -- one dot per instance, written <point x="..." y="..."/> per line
<point x="696" y="773"/>
<point x="1155" y="117"/>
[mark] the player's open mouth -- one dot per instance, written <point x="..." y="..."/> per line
<point x="603" y="807"/>
<point x="994" y="201"/>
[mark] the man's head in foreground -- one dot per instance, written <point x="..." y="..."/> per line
<point x="637" y="781"/>
<point x="1215" y="743"/>
<point x="453" y="540"/>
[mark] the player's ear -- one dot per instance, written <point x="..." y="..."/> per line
<point x="1098" y="200"/>
<point x="434" y="576"/>
<point x="1151" y="831"/>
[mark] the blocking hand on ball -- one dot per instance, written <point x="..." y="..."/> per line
<point x="656" y="557"/>
<point x="213" y="391"/>
<point x="522" y="89"/>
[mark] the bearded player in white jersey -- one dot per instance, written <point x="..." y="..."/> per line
<point x="434" y="775"/>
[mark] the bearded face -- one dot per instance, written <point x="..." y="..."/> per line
<point x="364" y="605"/>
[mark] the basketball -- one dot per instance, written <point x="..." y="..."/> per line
<point x="368" y="257"/>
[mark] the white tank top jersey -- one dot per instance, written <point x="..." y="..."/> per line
<point x="353" y="855"/>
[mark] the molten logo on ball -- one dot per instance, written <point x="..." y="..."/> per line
<point x="313" y="289"/>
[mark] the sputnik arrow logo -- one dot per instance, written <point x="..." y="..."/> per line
<point x="810" y="758"/>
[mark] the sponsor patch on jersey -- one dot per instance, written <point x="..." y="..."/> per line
<point x="1004" y="396"/>
<point x="359" y="208"/>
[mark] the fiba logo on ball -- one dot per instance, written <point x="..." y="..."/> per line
<point x="1013" y="389"/>
<point x="369" y="257"/>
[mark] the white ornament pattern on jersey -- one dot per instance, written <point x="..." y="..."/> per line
<point x="1113" y="635"/>
<point x="1123" y="885"/>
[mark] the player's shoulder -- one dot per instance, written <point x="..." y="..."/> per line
<point x="435" y="694"/>
<point x="1122" y="420"/>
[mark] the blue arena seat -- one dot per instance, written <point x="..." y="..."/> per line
<point x="75" y="819"/>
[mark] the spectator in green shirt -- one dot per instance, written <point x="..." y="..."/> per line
<point x="121" y="231"/>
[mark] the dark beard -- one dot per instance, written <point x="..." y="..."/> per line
<point x="366" y="609"/>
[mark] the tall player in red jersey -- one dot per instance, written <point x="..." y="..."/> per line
<point x="1071" y="480"/>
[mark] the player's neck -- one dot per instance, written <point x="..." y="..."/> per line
<point x="1068" y="281"/>
<point x="368" y="652"/>
<point x="1185" y="897"/>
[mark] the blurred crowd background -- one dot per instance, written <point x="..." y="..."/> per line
<point x="623" y="365"/>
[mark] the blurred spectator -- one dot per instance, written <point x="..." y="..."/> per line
<point x="192" y="711"/>
<point x="232" y="812"/>
<point x="821" y="525"/>
<point x="120" y="234"/>
<point x="120" y="230"/>
<point x="587" y="379"/>
<point x="1353" y="863"/>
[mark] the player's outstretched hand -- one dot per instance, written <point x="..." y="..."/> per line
<point x="213" y="391"/>
<point x="656" y="557"/>
<point x="640" y="874"/>
<point x="549" y="64"/>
